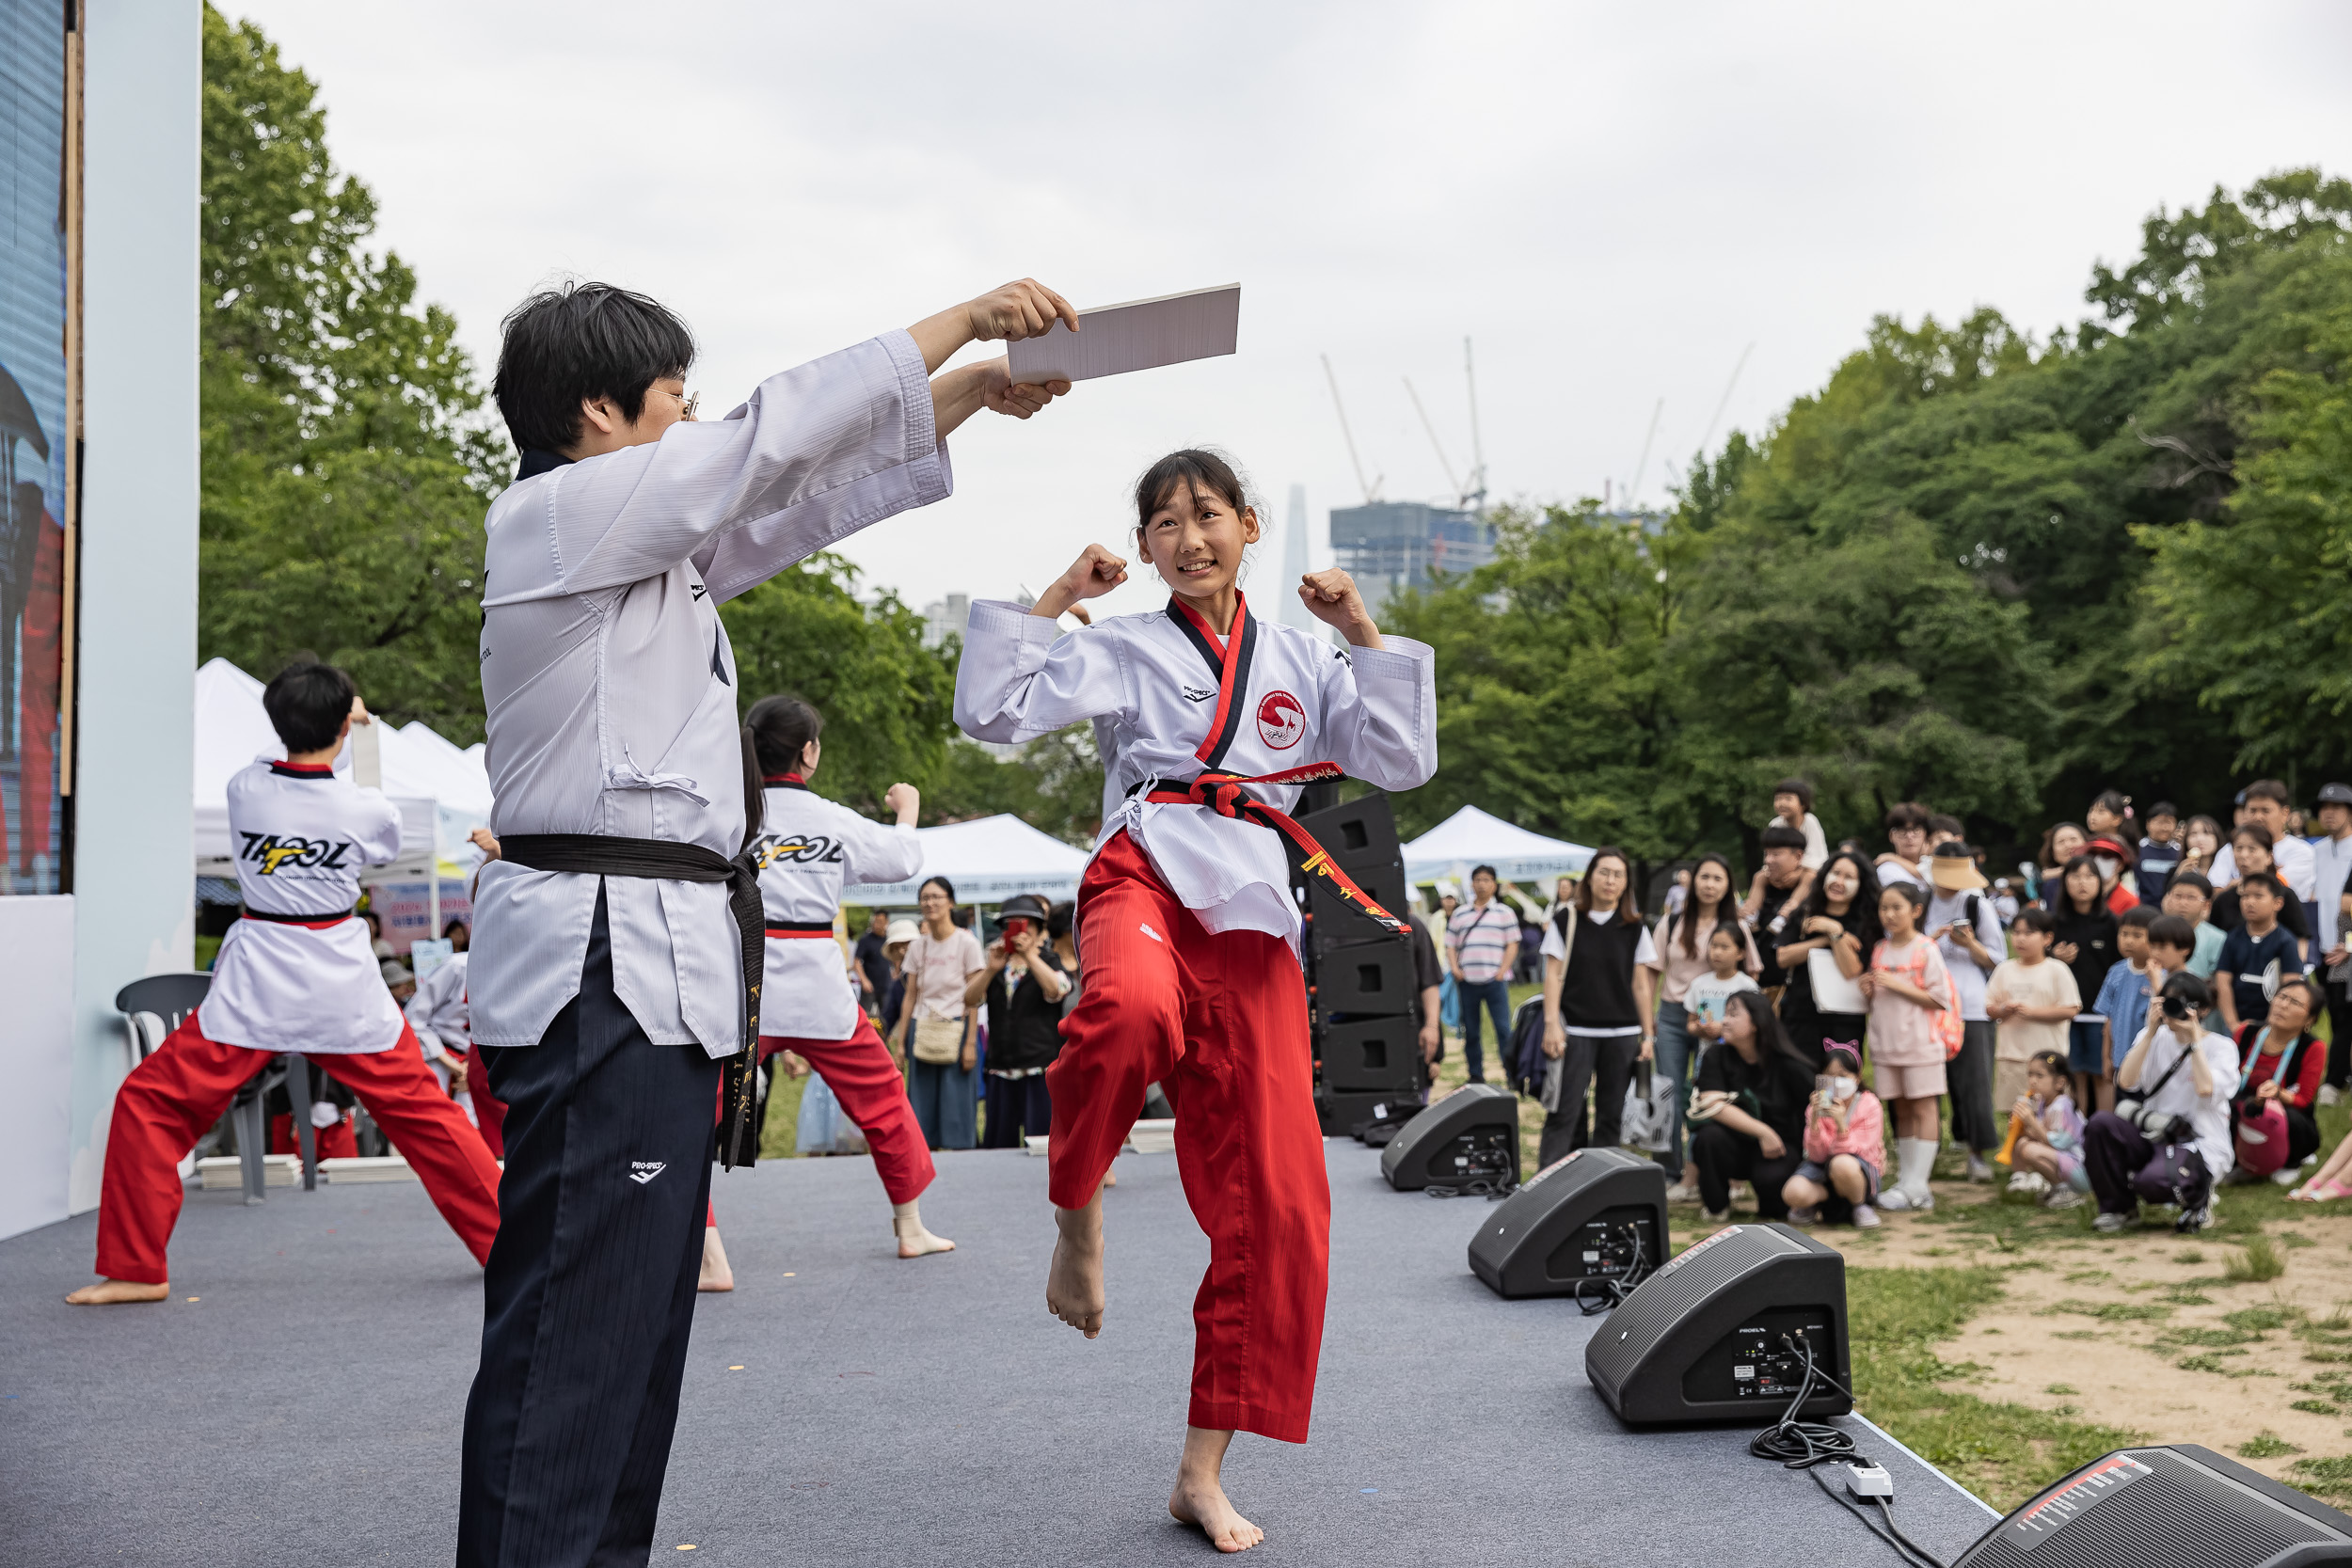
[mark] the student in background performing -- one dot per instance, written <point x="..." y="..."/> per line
<point x="1208" y="716"/>
<point x="296" y="973"/>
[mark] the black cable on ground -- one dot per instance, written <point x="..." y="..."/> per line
<point x="1803" y="1444"/>
<point x="1608" y="1294"/>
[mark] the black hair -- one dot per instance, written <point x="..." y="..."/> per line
<point x="2065" y="895"/>
<point x="2265" y="879"/>
<point x="1060" y="919"/>
<point x="2172" y="930"/>
<point x="455" y="923"/>
<point x="2196" y="879"/>
<point x="577" y="342"/>
<point x="2115" y="803"/>
<point x="375" y="921"/>
<point x="780" y="728"/>
<point x="1862" y="915"/>
<point x="1798" y="787"/>
<point x="1627" y="909"/>
<point x="2254" y="831"/>
<point x="1194" y="469"/>
<point x="1940" y="823"/>
<point x="307" y="704"/>
<point x="2163" y="808"/>
<point x="943" y="885"/>
<point x="2185" y="986"/>
<point x="1906" y="814"/>
<point x="1780" y="836"/>
<point x="2138" y="917"/>
<point x="1914" y="895"/>
<point x="2033" y="917"/>
<point x="2315" y="999"/>
<point x="1487" y="870"/>
<point x="1771" y="1035"/>
<point x="2267" y="789"/>
<point x="2049" y="837"/>
<point x="2052" y="1062"/>
<point x="1726" y="909"/>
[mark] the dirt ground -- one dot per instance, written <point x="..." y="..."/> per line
<point x="2100" y="1328"/>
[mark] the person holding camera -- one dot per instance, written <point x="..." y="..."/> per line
<point x="2168" y="1140"/>
<point x="1023" y="985"/>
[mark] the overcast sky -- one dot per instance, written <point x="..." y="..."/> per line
<point x="1614" y="202"/>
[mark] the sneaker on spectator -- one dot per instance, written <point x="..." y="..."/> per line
<point x="2108" y="1224"/>
<point x="1921" y="1201"/>
<point x="2063" y="1197"/>
<point x="2193" y="1220"/>
<point x="1805" y="1216"/>
<point x="1894" y="1200"/>
<point x="1865" y="1217"/>
<point x="1719" y="1217"/>
<point x="1683" y="1191"/>
<point x="2289" y="1177"/>
<point x="1977" y="1169"/>
<point x="2028" y="1182"/>
<point x="2329" y="1094"/>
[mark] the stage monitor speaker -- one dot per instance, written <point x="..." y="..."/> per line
<point x="1712" y="1334"/>
<point x="1473" y="1134"/>
<point x="2180" y="1506"/>
<point x="1365" y="978"/>
<point x="1599" y="1215"/>
<point x="1371" y="1053"/>
<point x="1340" y="1112"/>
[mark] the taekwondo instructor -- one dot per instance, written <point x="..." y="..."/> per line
<point x="606" y="981"/>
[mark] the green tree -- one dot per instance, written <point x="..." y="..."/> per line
<point x="347" y="460"/>
<point x="1053" y="784"/>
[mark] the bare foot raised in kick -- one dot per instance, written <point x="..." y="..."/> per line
<point x="1073" y="1286"/>
<point x="1200" y="1496"/>
<point x="914" y="1238"/>
<point x="716" y="1274"/>
<point x="107" y="1292"/>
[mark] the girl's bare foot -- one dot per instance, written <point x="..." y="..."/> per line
<point x="1073" y="1286"/>
<point x="716" y="1275"/>
<point x="914" y="1238"/>
<point x="108" y="1292"/>
<point x="1200" y="1496"/>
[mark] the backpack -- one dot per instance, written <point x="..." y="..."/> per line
<point x="1948" y="1026"/>
<point x="1528" y="1062"/>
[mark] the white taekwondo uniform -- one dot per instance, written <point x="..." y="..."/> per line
<point x="610" y="686"/>
<point x="438" y="1011"/>
<point x="807" y="847"/>
<point x="300" y="837"/>
<point x="1150" y="684"/>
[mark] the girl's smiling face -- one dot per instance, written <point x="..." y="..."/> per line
<point x="1195" y="538"/>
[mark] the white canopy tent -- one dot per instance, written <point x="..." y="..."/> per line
<point x="442" y="792"/>
<point x="989" y="861"/>
<point x="1471" y="837"/>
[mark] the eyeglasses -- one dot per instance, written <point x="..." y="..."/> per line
<point x="686" y="401"/>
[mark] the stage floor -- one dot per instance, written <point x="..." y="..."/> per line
<point x="306" y="1407"/>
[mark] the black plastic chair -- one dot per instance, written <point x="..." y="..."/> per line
<point x="169" y="999"/>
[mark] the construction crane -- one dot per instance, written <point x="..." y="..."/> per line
<point x="1473" y="496"/>
<point x="1370" y="488"/>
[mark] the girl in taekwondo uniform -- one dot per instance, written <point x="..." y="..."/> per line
<point x="1208" y="719"/>
<point x="806" y="848"/>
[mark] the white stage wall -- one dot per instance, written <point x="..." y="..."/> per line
<point x="36" y="1112"/>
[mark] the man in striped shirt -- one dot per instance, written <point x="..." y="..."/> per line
<point x="1483" y="945"/>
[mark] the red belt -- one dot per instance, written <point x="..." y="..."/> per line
<point x="789" y="928"/>
<point x="308" y="922"/>
<point x="1223" y="794"/>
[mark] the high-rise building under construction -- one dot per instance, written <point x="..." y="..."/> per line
<point x="1391" y="546"/>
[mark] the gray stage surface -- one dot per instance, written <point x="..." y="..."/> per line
<point x="307" y="1407"/>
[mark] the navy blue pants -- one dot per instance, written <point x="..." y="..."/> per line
<point x="1018" y="1107"/>
<point x="589" y="1293"/>
<point x="1495" y="996"/>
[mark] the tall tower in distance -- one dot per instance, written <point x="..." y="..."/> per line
<point x="1294" y="563"/>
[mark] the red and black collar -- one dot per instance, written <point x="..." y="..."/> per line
<point x="302" y="770"/>
<point x="1230" y="657"/>
<point x="784" y="781"/>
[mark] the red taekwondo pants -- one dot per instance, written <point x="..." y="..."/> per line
<point x="169" y="1099"/>
<point x="1220" y="1023"/>
<point x="862" y="1077"/>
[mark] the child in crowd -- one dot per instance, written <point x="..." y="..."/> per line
<point x="2159" y="852"/>
<point x="2259" y="956"/>
<point x="2110" y="815"/>
<point x="2085" y="943"/>
<point x="2254" y="850"/>
<point x="2123" y="998"/>
<point x="2032" y="997"/>
<point x="1844" y="1141"/>
<point x="2061" y="844"/>
<point x="2190" y="899"/>
<point x="2049" y="1132"/>
<point x="1914" y="1023"/>
<point x="1792" y="808"/>
<point x="2201" y="847"/>
<point x="1704" y="1001"/>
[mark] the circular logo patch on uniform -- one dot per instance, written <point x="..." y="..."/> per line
<point x="1281" y="720"/>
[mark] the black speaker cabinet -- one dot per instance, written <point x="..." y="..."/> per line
<point x="1371" y="1053"/>
<point x="1473" y="1134"/>
<point x="1599" y="1215"/>
<point x="1365" y="978"/>
<point x="1358" y="834"/>
<point x="2175" y="1507"/>
<point x="1340" y="1112"/>
<point x="1334" y="919"/>
<point x="1711" y="1336"/>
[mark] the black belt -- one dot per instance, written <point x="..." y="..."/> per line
<point x="599" y="855"/>
<point x="799" y="928"/>
<point x="329" y="918"/>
